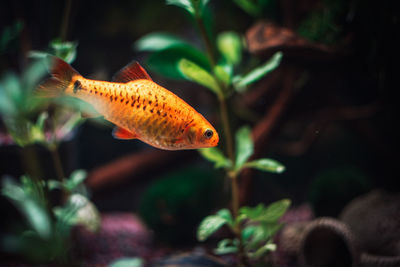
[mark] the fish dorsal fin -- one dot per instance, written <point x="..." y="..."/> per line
<point x="132" y="71"/>
<point x="122" y="133"/>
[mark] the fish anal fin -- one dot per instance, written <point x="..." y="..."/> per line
<point x="122" y="133"/>
<point x="131" y="72"/>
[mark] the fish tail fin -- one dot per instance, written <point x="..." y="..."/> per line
<point x="62" y="74"/>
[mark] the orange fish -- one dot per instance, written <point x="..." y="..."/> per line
<point x="138" y="107"/>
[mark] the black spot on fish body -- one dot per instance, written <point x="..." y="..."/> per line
<point x="111" y="98"/>
<point x="77" y="86"/>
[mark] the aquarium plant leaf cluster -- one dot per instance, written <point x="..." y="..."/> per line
<point x="220" y="67"/>
<point x="258" y="225"/>
<point x="48" y="228"/>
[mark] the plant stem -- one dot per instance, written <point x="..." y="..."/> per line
<point x="53" y="148"/>
<point x="228" y="138"/>
<point x="65" y="21"/>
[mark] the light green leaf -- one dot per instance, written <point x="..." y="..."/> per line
<point x="244" y="146"/>
<point x="185" y="4"/>
<point x="195" y="73"/>
<point x="270" y="213"/>
<point x="268" y="165"/>
<point x="215" y="155"/>
<point x="268" y="247"/>
<point x="79" y="210"/>
<point x="34" y="213"/>
<point x="209" y="225"/>
<point x="64" y="50"/>
<point x="241" y="82"/>
<point x="226" y="246"/>
<point x="158" y="41"/>
<point x="224" y="73"/>
<point x="275" y="210"/>
<point x="226" y="214"/>
<point x="76" y="178"/>
<point x="54" y="184"/>
<point x="230" y="46"/>
<point x="127" y="262"/>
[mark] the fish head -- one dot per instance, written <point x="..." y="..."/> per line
<point x="202" y="135"/>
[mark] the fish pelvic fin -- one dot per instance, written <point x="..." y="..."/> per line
<point x="61" y="78"/>
<point x="122" y="133"/>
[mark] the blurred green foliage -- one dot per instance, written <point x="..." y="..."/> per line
<point x="173" y="205"/>
<point x="8" y="35"/>
<point x="48" y="229"/>
<point x="127" y="262"/>
<point x="323" y="24"/>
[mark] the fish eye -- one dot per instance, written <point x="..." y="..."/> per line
<point x="208" y="133"/>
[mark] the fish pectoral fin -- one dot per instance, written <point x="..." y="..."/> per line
<point x="132" y="71"/>
<point x="122" y="133"/>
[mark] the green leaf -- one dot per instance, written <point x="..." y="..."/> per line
<point x="244" y="146"/>
<point x="79" y="210"/>
<point x="64" y="50"/>
<point x="34" y="213"/>
<point x="9" y="34"/>
<point x="209" y="225"/>
<point x="260" y="233"/>
<point x="224" y="73"/>
<point x="270" y="213"/>
<point x="158" y="41"/>
<point x="192" y="6"/>
<point x="226" y="214"/>
<point x="241" y="82"/>
<point x="250" y="7"/>
<point x="268" y="247"/>
<point x="268" y="165"/>
<point x="226" y="246"/>
<point x="215" y="155"/>
<point x="76" y="178"/>
<point x="185" y="4"/>
<point x="230" y="46"/>
<point x="166" y="61"/>
<point x="54" y="184"/>
<point x="195" y="73"/>
<point x="127" y="262"/>
<point x="275" y="210"/>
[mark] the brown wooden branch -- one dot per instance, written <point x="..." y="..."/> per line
<point x="135" y="165"/>
<point x="322" y="119"/>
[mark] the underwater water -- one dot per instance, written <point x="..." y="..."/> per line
<point x="210" y="133"/>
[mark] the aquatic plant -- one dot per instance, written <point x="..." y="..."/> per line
<point x="30" y="120"/>
<point x="216" y="69"/>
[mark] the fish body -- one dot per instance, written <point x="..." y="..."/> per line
<point x="139" y="107"/>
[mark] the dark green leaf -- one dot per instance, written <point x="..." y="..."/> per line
<point x="209" y="225"/>
<point x="269" y="165"/>
<point x="244" y="146"/>
<point x="127" y="262"/>
<point x="158" y="41"/>
<point x="9" y="34"/>
<point x="215" y="155"/>
<point x="226" y="246"/>
<point x="250" y="7"/>
<point x="166" y="62"/>
<point x="241" y="82"/>
<point x="230" y="46"/>
<point x="185" y="4"/>
<point x="195" y="73"/>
